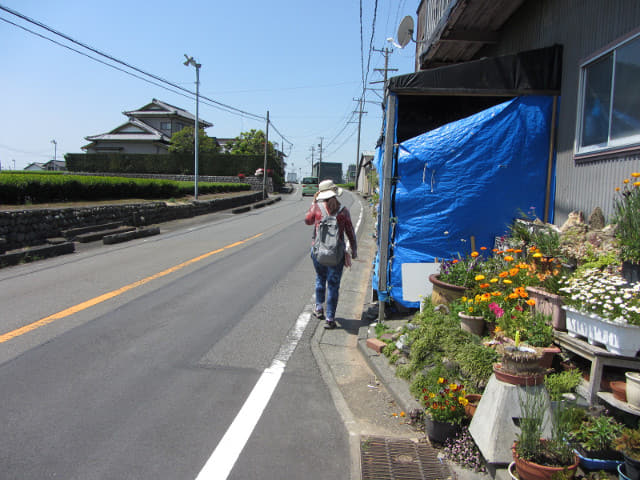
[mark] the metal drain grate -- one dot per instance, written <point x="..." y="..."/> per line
<point x="384" y="458"/>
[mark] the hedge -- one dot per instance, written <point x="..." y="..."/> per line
<point x="42" y="188"/>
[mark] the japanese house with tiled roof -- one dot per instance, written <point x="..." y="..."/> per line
<point x="148" y="130"/>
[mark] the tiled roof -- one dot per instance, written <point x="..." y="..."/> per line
<point x="158" y="108"/>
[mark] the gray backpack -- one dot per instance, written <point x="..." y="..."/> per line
<point x="328" y="248"/>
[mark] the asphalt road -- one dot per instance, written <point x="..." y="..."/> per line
<point x="134" y="361"/>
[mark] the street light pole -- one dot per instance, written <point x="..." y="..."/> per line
<point x="55" y="153"/>
<point x="196" y="133"/>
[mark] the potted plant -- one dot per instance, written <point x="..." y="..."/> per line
<point x="560" y="384"/>
<point x="627" y="220"/>
<point x="444" y="409"/>
<point x="454" y="278"/>
<point x="548" y="301"/>
<point x="537" y="458"/>
<point x="629" y="444"/>
<point x="594" y="439"/>
<point x="604" y="309"/>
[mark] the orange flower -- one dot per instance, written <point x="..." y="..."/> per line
<point x="484" y="285"/>
<point x="454" y="261"/>
<point x="486" y="297"/>
<point x="635" y="174"/>
<point x="508" y="258"/>
<point x="617" y="189"/>
<point x="531" y="302"/>
<point x="518" y="250"/>
<point x="503" y="274"/>
<point x="626" y="180"/>
<point x="514" y="271"/>
<point x="483" y="248"/>
<point x="474" y="254"/>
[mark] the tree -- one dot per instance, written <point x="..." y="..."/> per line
<point x="251" y="143"/>
<point x="183" y="142"/>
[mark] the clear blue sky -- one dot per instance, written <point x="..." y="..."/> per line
<point x="301" y="60"/>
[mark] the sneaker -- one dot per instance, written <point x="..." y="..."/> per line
<point x="319" y="314"/>
<point x="330" y="325"/>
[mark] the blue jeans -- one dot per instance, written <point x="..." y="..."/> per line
<point x="327" y="284"/>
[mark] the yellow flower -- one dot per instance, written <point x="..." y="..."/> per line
<point x="440" y="380"/>
<point x="453" y="387"/>
<point x="636" y="184"/>
<point x="463" y="401"/>
<point x="494" y="280"/>
<point x="507" y="281"/>
<point x="537" y="255"/>
<point x="486" y="297"/>
<point x="470" y="309"/>
<point x="474" y="254"/>
<point x="617" y="189"/>
<point x="479" y="277"/>
<point x="626" y="180"/>
<point x="432" y="395"/>
<point x="464" y="299"/>
<point x="635" y="174"/>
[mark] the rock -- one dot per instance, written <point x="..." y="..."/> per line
<point x="575" y="220"/>
<point x="596" y="219"/>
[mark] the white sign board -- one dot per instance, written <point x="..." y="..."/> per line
<point x="415" y="280"/>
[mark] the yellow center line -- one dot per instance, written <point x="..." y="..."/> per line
<point x="102" y="298"/>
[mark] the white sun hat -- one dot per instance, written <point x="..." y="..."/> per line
<point x="328" y="189"/>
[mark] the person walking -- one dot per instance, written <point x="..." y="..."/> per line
<point x="325" y="203"/>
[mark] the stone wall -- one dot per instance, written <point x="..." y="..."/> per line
<point x="23" y="228"/>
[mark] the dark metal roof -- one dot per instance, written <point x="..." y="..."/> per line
<point x="466" y="27"/>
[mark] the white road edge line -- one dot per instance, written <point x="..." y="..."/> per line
<point x="224" y="457"/>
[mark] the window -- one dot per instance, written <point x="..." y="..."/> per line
<point x="609" y="111"/>
<point x="165" y="126"/>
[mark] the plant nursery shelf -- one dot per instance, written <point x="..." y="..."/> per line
<point x="608" y="397"/>
<point x="599" y="358"/>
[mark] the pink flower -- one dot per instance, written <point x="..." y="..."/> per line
<point x="496" y="310"/>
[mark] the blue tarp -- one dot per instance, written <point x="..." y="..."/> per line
<point x="472" y="177"/>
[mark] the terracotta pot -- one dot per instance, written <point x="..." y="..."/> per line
<point x="532" y="471"/>
<point x="619" y="389"/>
<point x="521" y="360"/>
<point x="444" y="292"/>
<point x="438" y="431"/>
<point x="470" y="408"/>
<point x="549" y="303"/>
<point x="547" y="356"/>
<point x="472" y="324"/>
<point x="513" y="379"/>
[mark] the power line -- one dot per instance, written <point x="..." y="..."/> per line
<point x="229" y="108"/>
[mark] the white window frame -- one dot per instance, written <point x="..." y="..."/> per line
<point x="165" y="122"/>
<point x="610" y="145"/>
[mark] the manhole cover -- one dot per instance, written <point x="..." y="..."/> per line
<point x="385" y="458"/>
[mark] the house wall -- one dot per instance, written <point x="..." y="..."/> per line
<point x="582" y="27"/>
<point x="130" y="147"/>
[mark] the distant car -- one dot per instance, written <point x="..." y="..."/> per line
<point x="309" y="186"/>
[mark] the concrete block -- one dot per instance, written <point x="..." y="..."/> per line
<point x="375" y="344"/>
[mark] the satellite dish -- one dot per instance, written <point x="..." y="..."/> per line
<point x="405" y="31"/>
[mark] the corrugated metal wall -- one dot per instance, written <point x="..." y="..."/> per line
<point x="582" y="27"/>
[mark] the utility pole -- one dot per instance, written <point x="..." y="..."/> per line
<point x="55" y="153"/>
<point x="360" y="112"/>
<point x="313" y="151"/>
<point x="266" y="149"/>
<point x="320" y="159"/>
<point x="386" y="52"/>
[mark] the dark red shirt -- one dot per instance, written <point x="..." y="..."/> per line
<point x="345" y="227"/>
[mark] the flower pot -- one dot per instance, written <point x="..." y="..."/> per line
<point x="619" y="389"/>
<point x="631" y="271"/>
<point x="470" y="408"/>
<point x="622" y="473"/>
<point x="439" y="431"/>
<point x="631" y="468"/>
<point x="472" y="324"/>
<point x="514" y="379"/>
<point x="633" y="388"/>
<point x="532" y="471"/>
<point x="549" y="303"/>
<point x="444" y="292"/>
<point x="619" y="338"/>
<point x="521" y="360"/>
<point x="597" y="463"/>
<point x="548" y="353"/>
